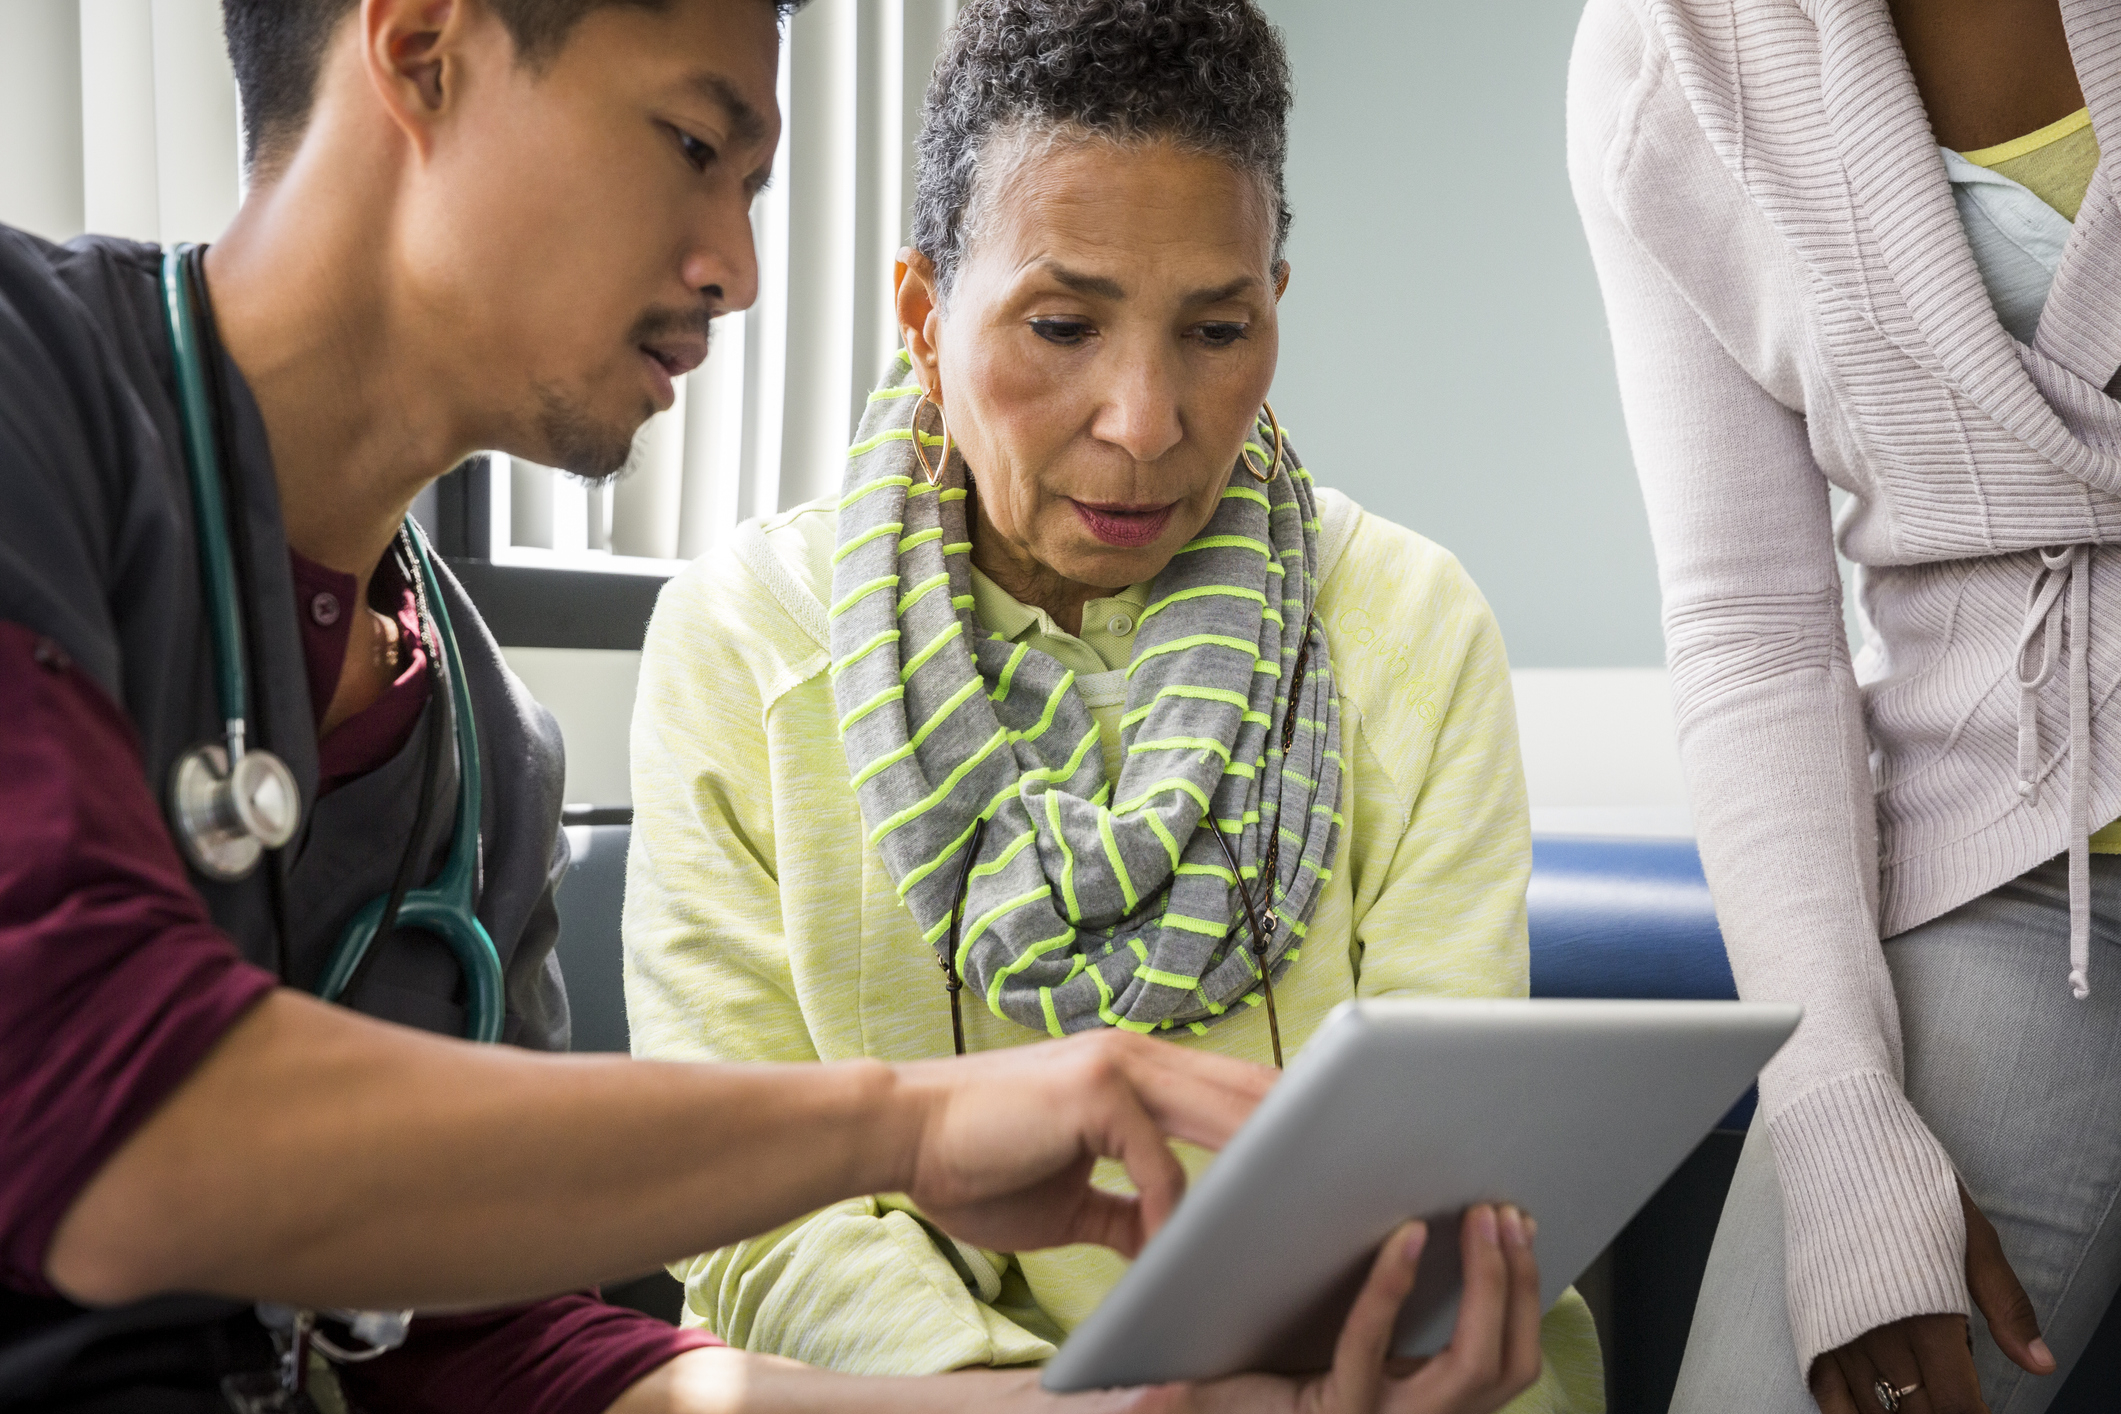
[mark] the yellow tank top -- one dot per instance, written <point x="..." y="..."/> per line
<point x="2054" y="163"/>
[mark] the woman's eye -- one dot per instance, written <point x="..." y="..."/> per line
<point x="1221" y="336"/>
<point x="698" y="153"/>
<point x="1061" y="331"/>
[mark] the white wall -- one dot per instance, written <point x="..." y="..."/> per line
<point x="1601" y="751"/>
<point x="1444" y="351"/>
<point x="590" y="691"/>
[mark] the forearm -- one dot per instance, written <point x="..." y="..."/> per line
<point x="320" y="1157"/>
<point x="1784" y="816"/>
<point x="737" y="1382"/>
<point x="1770" y="723"/>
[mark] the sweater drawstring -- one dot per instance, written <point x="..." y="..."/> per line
<point x="2058" y="606"/>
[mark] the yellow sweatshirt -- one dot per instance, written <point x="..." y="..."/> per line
<point x="761" y="926"/>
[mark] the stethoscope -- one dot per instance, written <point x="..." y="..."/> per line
<point x="231" y="800"/>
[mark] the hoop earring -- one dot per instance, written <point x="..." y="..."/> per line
<point x="920" y="452"/>
<point x="1244" y="454"/>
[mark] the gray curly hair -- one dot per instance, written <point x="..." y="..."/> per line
<point x="1017" y="75"/>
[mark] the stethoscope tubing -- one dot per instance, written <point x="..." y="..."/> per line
<point x="217" y="564"/>
<point x="444" y="908"/>
<point x="447" y="908"/>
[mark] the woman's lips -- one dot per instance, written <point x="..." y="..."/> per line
<point x="1128" y="526"/>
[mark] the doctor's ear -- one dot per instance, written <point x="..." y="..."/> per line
<point x="413" y="53"/>
<point x="918" y="304"/>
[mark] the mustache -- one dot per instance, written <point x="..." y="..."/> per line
<point x="696" y="322"/>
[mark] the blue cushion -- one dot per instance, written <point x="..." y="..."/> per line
<point x="1624" y="918"/>
<point x="1627" y="918"/>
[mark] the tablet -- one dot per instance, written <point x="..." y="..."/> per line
<point x="1574" y="1110"/>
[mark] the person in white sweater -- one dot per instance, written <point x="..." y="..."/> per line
<point x="1869" y="247"/>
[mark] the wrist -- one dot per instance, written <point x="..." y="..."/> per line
<point x="890" y="1116"/>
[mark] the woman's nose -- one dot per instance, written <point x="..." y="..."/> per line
<point x="1139" y="414"/>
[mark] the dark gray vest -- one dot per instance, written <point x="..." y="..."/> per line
<point x="96" y="550"/>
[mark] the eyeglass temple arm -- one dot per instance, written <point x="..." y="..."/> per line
<point x="947" y="957"/>
<point x="1261" y="933"/>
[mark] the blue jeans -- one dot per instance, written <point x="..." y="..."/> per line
<point x="2022" y="1085"/>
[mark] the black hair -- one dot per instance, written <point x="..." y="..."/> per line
<point x="1208" y="75"/>
<point x="277" y="49"/>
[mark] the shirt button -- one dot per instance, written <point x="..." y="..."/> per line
<point x="1119" y="626"/>
<point x="324" y="609"/>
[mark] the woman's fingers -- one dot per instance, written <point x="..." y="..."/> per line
<point x="1472" y="1362"/>
<point x="1858" y="1377"/>
<point x="1521" y="1354"/>
<point x="1007" y="1140"/>
<point x="1494" y="1351"/>
<point x="1829" y="1390"/>
<point x="1366" y="1336"/>
<point x="1929" y="1353"/>
<point x="2001" y="1297"/>
<point x="1111" y="1220"/>
<point x="1483" y="1305"/>
<point x="1893" y="1359"/>
<point x="1934" y="1350"/>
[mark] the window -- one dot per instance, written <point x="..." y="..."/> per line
<point x="141" y="106"/>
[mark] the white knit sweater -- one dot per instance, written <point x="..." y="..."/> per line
<point x="1794" y="305"/>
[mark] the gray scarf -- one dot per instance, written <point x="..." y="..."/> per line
<point x="1089" y="905"/>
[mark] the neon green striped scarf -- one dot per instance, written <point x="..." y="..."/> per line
<point x="1088" y="905"/>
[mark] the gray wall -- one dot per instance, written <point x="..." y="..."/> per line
<point x="1444" y="356"/>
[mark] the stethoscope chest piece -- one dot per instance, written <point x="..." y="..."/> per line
<point x="226" y="818"/>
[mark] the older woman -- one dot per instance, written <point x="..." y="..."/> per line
<point x="1081" y="688"/>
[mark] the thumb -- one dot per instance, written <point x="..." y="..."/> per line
<point x="2001" y="1297"/>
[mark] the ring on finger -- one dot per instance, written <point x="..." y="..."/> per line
<point x="1888" y="1397"/>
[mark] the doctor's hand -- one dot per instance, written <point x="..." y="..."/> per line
<point x="1005" y="1140"/>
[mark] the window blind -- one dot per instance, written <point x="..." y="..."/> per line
<point x="127" y="124"/>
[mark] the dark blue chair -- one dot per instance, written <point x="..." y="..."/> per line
<point x="591" y="956"/>
<point x="1631" y="918"/>
<point x="592" y="959"/>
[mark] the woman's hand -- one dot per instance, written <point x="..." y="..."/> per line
<point x="1492" y="1358"/>
<point x="1936" y="1353"/>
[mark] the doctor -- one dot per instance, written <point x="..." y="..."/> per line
<point x="257" y="746"/>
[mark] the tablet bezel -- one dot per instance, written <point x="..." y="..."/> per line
<point x="1392" y="1111"/>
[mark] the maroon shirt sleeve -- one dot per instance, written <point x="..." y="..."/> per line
<point x="569" y="1355"/>
<point x="114" y="983"/>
